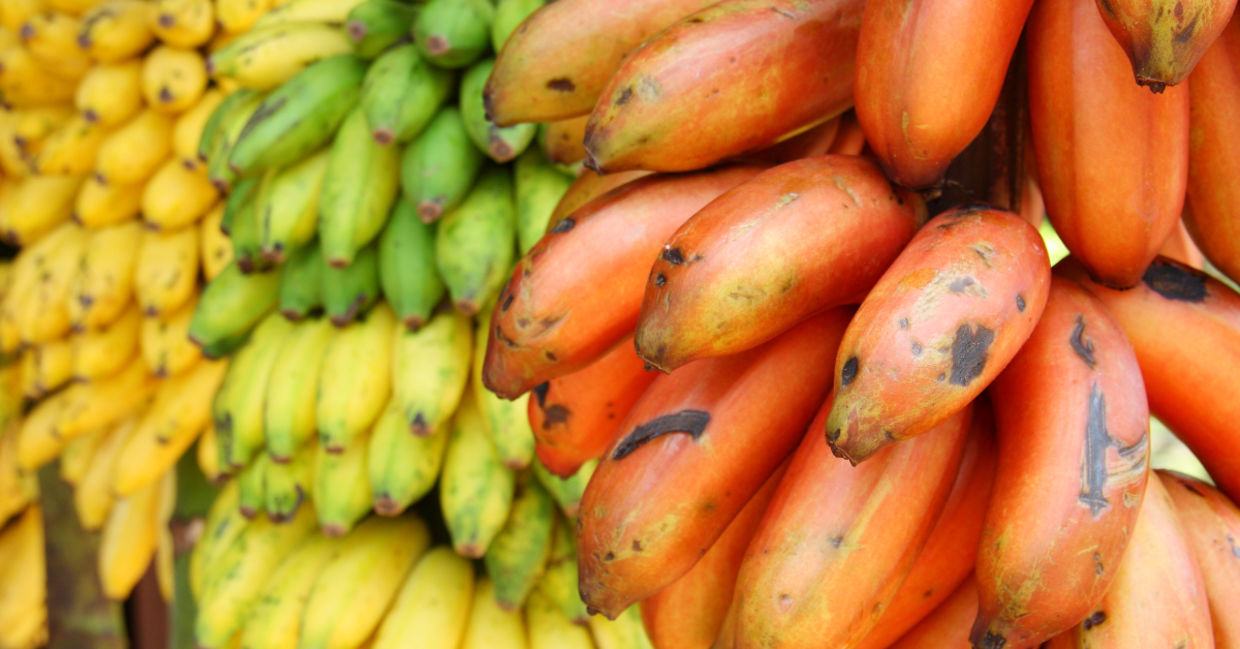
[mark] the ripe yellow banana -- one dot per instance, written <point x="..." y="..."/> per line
<point x="35" y="264"/>
<point x="275" y="621"/>
<point x="51" y="36"/>
<point x="133" y="152"/>
<point x="15" y="12"/>
<point x="100" y="204"/>
<point x="475" y="489"/>
<point x="489" y="626"/>
<point x="183" y="23"/>
<point x="188" y="129"/>
<point x="164" y="342"/>
<point x="430" y="368"/>
<point x="72" y="7"/>
<point x="402" y="467"/>
<point x="314" y="11"/>
<point x="103" y="287"/>
<point x="173" y="79"/>
<point x="217" y="250"/>
<point x="110" y="93"/>
<point x="129" y="538"/>
<point x="13" y="161"/>
<point x="23" y="582"/>
<point x="26" y="82"/>
<point x="36" y="205"/>
<point x="167" y="270"/>
<point x="356" y="378"/>
<point x="94" y="405"/>
<point x="176" y="197"/>
<point x="507" y="421"/>
<point x="207" y="452"/>
<point x="77" y="454"/>
<point x="238" y="16"/>
<point x="46" y="367"/>
<point x="237" y="410"/>
<point x="432" y="609"/>
<point x="549" y="629"/>
<point x="93" y="496"/>
<point x="103" y="352"/>
<point x="71" y="150"/>
<point x="44" y="310"/>
<point x="288" y="420"/>
<point x="265" y="58"/>
<point x="17" y="488"/>
<point x="31" y="126"/>
<point x="116" y="30"/>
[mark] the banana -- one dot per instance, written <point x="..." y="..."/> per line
<point x="251" y="480"/>
<point x="500" y="143"/>
<point x="128" y="539"/>
<point x="518" y="554"/>
<point x="342" y="495"/>
<point x="51" y="36"/>
<point x="35" y="206"/>
<point x="221" y="132"/>
<point x="94" y="405"/>
<point x="183" y="23"/>
<point x="508" y="15"/>
<point x="539" y="187"/>
<point x="263" y="59"/>
<point x="104" y="285"/>
<point x="187" y="131"/>
<point x="362" y="182"/>
<point x="439" y="165"/>
<point x="92" y="499"/>
<point x="167" y="270"/>
<point x="407" y="271"/>
<point x="217" y="251"/>
<point x="474" y="243"/>
<point x="221" y="527"/>
<point x="453" y="34"/>
<point x="239" y="16"/>
<point x="46" y="367"/>
<point x="376" y="25"/>
<point x="350" y="292"/>
<point x="164" y="342"/>
<point x="475" y="489"/>
<point x="31" y="126"/>
<point x="567" y="492"/>
<point x="72" y="7"/>
<point x="176" y="197"/>
<point x="240" y="572"/>
<point x="240" y="221"/>
<point x="401" y="92"/>
<point x="430" y="369"/>
<point x="314" y="11"/>
<point x="549" y="629"/>
<point x="15" y="12"/>
<point x="563" y="141"/>
<point x="559" y="579"/>
<point x="1208" y="519"/>
<point x="100" y="204"/>
<point x="173" y="79"/>
<point x="238" y="409"/>
<point x="288" y="418"/>
<point x="402" y="467"/>
<point x="135" y="151"/>
<point x="207" y="453"/>
<point x="276" y="618"/>
<point x="26" y="82"/>
<point x="301" y="283"/>
<point x="230" y="306"/>
<point x="44" y="311"/>
<point x="75" y="458"/>
<point x="299" y="117"/>
<point x="18" y="488"/>
<point x="355" y="379"/>
<point x="432" y="609"/>
<point x="287" y="485"/>
<point x="116" y="30"/>
<point x="103" y="352"/>
<point x="507" y="422"/>
<point x="624" y="632"/>
<point x="71" y="150"/>
<point x="1163" y="40"/>
<point x="489" y="626"/>
<point x="286" y="206"/>
<point x="23" y="582"/>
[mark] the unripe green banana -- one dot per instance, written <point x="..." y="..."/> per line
<point x="474" y="243"/>
<point x="376" y="25"/>
<point x="237" y="411"/>
<point x="540" y="186"/>
<point x="432" y="609"/>
<point x="237" y="202"/>
<point x="475" y="489"/>
<point x="301" y="283"/>
<point x="250" y="480"/>
<point x="208" y="141"/>
<point x="517" y="556"/>
<point x="362" y="181"/>
<point x="275" y="621"/>
<point x="299" y="116"/>
<point x="508" y="15"/>
<point x="349" y="292"/>
<point x="287" y="206"/>
<point x="430" y="369"/>
<point x="342" y="493"/>
<point x="355" y="381"/>
<point x="230" y="306"/>
<point x="566" y="491"/>
<point x="287" y="485"/>
<point x="439" y="165"/>
<point x="559" y="579"/>
<point x="402" y="466"/>
<point x="501" y="144"/>
<point x="402" y="92"/>
<point x="407" y="269"/>
<point x="454" y="33"/>
<point x="507" y="422"/>
<point x="221" y="133"/>
<point x="288" y="418"/>
<point x="241" y="220"/>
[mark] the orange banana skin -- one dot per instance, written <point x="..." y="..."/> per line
<point x="1164" y="39"/>
<point x="794" y="240"/>
<point x="821" y="569"/>
<point x="947" y="626"/>
<point x="588" y="186"/>
<point x="813" y="142"/>
<point x="653" y="508"/>
<point x="1212" y="205"/>
<point x="1185" y="328"/>
<point x="937" y="328"/>
<point x="553" y="318"/>
<point x="1112" y="158"/>
<point x="850" y="140"/>
<point x="556" y="62"/>
<point x="732" y="78"/>
<point x="689" y="613"/>
<point x="564" y="143"/>
<point x="1211" y="524"/>
<point x="1158" y="598"/>
<point x="1181" y="247"/>
<point x="1063" y="505"/>
<point x="912" y="57"/>
<point x="948" y="556"/>
<point x="575" y="417"/>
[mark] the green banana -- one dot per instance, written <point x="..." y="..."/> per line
<point x="474" y="244"/>
<point x="439" y="165"/>
<point x="624" y="632"/>
<point x="376" y="25"/>
<point x="402" y="92"/>
<point x="547" y="626"/>
<point x="208" y="141"/>
<point x="402" y="466"/>
<point x="300" y="116"/>
<point x="566" y="491"/>
<point x="237" y="410"/>
<point x="540" y="185"/>
<point x="301" y="283"/>
<point x="250" y="479"/>
<point x="362" y="181"/>
<point x="559" y="579"/>
<point x="507" y="422"/>
<point x="355" y="381"/>
<point x="432" y="609"/>
<point x="430" y="368"/>
<point x="274" y="621"/>
<point x="241" y="219"/>
<point x="287" y="206"/>
<point x="407" y="270"/>
<point x="237" y="202"/>
<point x="349" y="292"/>
<point x="342" y="494"/>
<point x="288" y="419"/>
<point x="216" y="144"/>
<point x="230" y="306"/>
<point x="502" y="144"/>
<point x="454" y="33"/>
<point x="475" y="489"/>
<point x="517" y="556"/>
<point x="287" y="484"/>
<point x="508" y="15"/>
<point x="220" y="528"/>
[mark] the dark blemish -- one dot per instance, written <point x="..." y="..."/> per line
<point x="941" y="377"/>
<point x="916" y="348"/>
<point x="695" y="20"/>
<point x="508" y="342"/>
<point x="1098" y="568"/>
<point x="1094" y="458"/>
<point x="690" y="422"/>
<point x="673" y="256"/>
<point x="1193" y="488"/>
<point x="1094" y="619"/>
<point x="165" y="95"/>
<point x="1175" y="282"/>
<point x="731" y="59"/>
<point x="785" y="14"/>
<point x="625" y="96"/>
<point x="563" y="226"/>
<point x="609" y="556"/>
<point x="647" y="367"/>
<point x="837" y="541"/>
<point x="1231" y="542"/>
<point x="540" y="393"/>
<point x="419" y="426"/>
<point x="1187" y="33"/>
<point x="556" y="414"/>
<point x="550" y="356"/>
<point x="507" y="303"/>
<point x="562" y="84"/>
<point x="849" y="372"/>
<point x="969" y="350"/>
<point x="833" y="436"/>
<point x="264" y="111"/>
<point x="1020" y="303"/>
<point x="928" y="594"/>
<point x="660" y="279"/>
<point x="637" y="545"/>
<point x="1083" y="348"/>
<point x="991" y="640"/>
<point x="1179" y="10"/>
<point x="903" y="323"/>
<point x="959" y="285"/>
<point x="167" y="20"/>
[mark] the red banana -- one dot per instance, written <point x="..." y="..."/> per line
<point x="1211" y="523"/>
<point x="850" y="140"/>
<point x="588" y="186"/>
<point x="1164" y="39"/>
<point x="947" y="626"/>
<point x="813" y="142"/>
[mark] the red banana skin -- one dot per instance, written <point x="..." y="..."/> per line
<point x="813" y="142"/>
<point x="1063" y="505"/>
<point x="797" y="239"/>
<point x="951" y="549"/>
<point x="1212" y="206"/>
<point x="578" y="291"/>
<point x="850" y="140"/>
<point x="937" y="328"/>
<point x="912" y="59"/>
<point x="689" y="613"/>
<point x="575" y="417"/>
<point x="1112" y="158"/>
<point x="947" y="626"/>
<point x="1164" y="39"/>
<point x="820" y="570"/>
<point x="732" y="78"/>
<point x="1158" y="598"/>
<point x="1211" y="523"/>
<point x="1185" y="328"/>
<point x="588" y="186"/>
<point x="653" y="508"/>
<point x="1180" y="247"/>
<point x="563" y="140"/>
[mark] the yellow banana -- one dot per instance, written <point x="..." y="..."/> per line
<point x="13" y="161"/>
<point x="207" y="452"/>
<point x="10" y="395"/>
<point x="430" y="368"/>
<point x="102" y="353"/>
<point x="45" y="309"/>
<point x="76" y="457"/>
<point x="217" y="250"/>
<point x="23" y="582"/>
<point x="252" y="479"/>
<point x="128" y="540"/>
<point x="188" y="129"/>
<point x="46" y="367"/>
<point x="432" y="608"/>
<point x="314" y="11"/>
<point x="164" y="342"/>
<point x="133" y="152"/>
<point x="73" y="7"/>
<point x="265" y="58"/>
<point x="549" y="629"/>
<point x="71" y="150"/>
<point x="29" y="269"/>
<point x="489" y="626"/>
<point x="101" y="403"/>
<point x="356" y="378"/>
<point x="104" y="287"/>
<point x="507" y="421"/>
<point x="110" y="93"/>
<point x="167" y="270"/>
<point x="15" y="12"/>
<point x="176" y="197"/>
<point x="116" y="30"/>
<point x="355" y="588"/>
<point x="36" y="205"/>
<point x="220" y="529"/>
<point x="27" y="83"/>
<point x="183" y="23"/>
<point x="17" y="488"/>
<point x="30" y="127"/>
<point x="237" y="409"/>
<point x="475" y="489"/>
<point x="92" y="499"/>
<point x="288" y="485"/>
<point x="100" y="204"/>
<point x="288" y="419"/>
<point x="624" y="632"/>
<point x="51" y="36"/>
<point x="165" y="551"/>
<point x="275" y="620"/>
<point x="341" y="492"/>
<point x="238" y="16"/>
<point x="173" y="79"/>
<point x="402" y="467"/>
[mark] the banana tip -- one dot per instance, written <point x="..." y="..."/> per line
<point x="436" y="45"/>
<point x="334" y="530"/>
<point x="383" y="136"/>
<point x="470" y="550"/>
<point x="385" y="506"/>
<point x="356" y="29"/>
<point x="430" y="210"/>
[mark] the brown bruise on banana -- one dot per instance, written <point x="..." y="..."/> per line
<point x="1097" y="468"/>
<point x="1082" y="346"/>
<point x="553" y="414"/>
<point x="690" y="422"/>
<point x="969" y="352"/>
<point x="1176" y="282"/>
